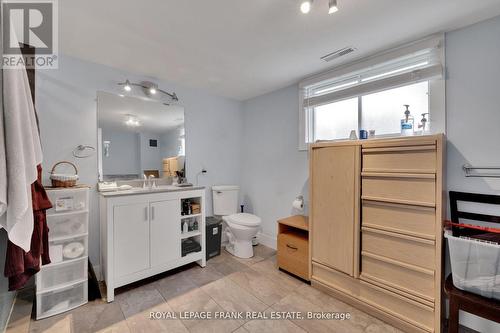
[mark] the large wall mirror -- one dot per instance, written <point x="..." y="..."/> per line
<point x="138" y="137"/>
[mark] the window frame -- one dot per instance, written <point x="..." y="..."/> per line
<point x="437" y="87"/>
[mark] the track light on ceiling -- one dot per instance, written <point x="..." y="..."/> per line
<point x="332" y="6"/>
<point x="150" y="88"/>
<point x="305" y="6"/>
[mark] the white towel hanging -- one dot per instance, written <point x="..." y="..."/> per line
<point x="22" y="155"/>
<point x="3" y="165"/>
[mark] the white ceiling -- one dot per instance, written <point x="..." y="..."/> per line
<point x="154" y="117"/>
<point x="245" y="48"/>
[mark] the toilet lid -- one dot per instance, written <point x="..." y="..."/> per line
<point x="245" y="219"/>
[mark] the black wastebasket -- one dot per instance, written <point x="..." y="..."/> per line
<point x="213" y="236"/>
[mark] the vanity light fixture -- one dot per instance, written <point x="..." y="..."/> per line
<point x="126" y="86"/>
<point x="132" y="120"/>
<point x="332" y="6"/>
<point x="150" y="88"/>
<point x="305" y="6"/>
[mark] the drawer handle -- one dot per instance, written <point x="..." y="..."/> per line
<point x="291" y="247"/>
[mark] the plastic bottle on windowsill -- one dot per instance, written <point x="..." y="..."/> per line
<point x="407" y="123"/>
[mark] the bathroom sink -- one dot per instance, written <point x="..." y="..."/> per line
<point x="158" y="188"/>
<point x="154" y="189"/>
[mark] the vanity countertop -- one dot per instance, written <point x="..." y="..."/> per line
<point x="159" y="189"/>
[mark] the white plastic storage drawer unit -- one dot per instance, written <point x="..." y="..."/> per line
<point x="62" y="274"/>
<point x="68" y="199"/>
<point x="68" y="248"/>
<point x="62" y="285"/>
<point x="52" y="302"/>
<point x="68" y="224"/>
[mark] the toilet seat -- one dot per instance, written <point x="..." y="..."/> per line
<point x="244" y="219"/>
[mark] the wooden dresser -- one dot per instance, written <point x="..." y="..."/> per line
<point x="376" y="226"/>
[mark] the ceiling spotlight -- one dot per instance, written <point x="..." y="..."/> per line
<point x="132" y="121"/>
<point x="127" y="86"/>
<point x="149" y="88"/>
<point x="332" y="6"/>
<point x="305" y="6"/>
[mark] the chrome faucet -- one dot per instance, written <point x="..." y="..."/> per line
<point x="151" y="182"/>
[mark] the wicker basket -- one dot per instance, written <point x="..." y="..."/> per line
<point x="63" y="180"/>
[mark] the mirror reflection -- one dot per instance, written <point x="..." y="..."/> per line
<point x="138" y="137"/>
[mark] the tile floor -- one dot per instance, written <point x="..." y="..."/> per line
<point x="226" y="284"/>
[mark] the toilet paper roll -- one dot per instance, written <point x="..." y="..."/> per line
<point x="298" y="204"/>
<point x="56" y="253"/>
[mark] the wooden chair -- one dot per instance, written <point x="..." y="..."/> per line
<point x="462" y="300"/>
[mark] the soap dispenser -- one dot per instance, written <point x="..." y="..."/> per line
<point x="407" y="122"/>
<point x="424" y="126"/>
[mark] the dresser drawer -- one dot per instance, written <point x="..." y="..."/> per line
<point x="411" y="159"/>
<point x="404" y="188"/>
<point x="293" y="253"/>
<point x="413" y="312"/>
<point x="412" y="220"/>
<point x="419" y="282"/>
<point x="407" y="249"/>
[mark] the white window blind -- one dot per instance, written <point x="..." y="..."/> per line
<point x="421" y="61"/>
<point x="411" y="64"/>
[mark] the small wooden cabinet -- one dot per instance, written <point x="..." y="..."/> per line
<point x="141" y="234"/>
<point x="293" y="245"/>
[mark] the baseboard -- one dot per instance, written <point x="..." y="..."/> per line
<point x="267" y="240"/>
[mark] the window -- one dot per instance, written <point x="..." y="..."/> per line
<point x="371" y="94"/>
<point x="334" y="120"/>
<point x="382" y="111"/>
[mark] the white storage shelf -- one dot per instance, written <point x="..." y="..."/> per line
<point x="61" y="274"/>
<point x="68" y="200"/>
<point x="68" y="248"/>
<point x="62" y="285"/>
<point x="190" y="234"/>
<point x="63" y="299"/>
<point x="68" y="224"/>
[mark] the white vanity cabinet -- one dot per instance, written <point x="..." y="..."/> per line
<point x="131" y="238"/>
<point x="141" y="234"/>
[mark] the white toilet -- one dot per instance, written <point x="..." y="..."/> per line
<point x="241" y="227"/>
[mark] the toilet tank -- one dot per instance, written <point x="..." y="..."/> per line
<point x="225" y="199"/>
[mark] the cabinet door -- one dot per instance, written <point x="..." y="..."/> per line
<point x="131" y="238"/>
<point x="165" y="231"/>
<point x="335" y="199"/>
